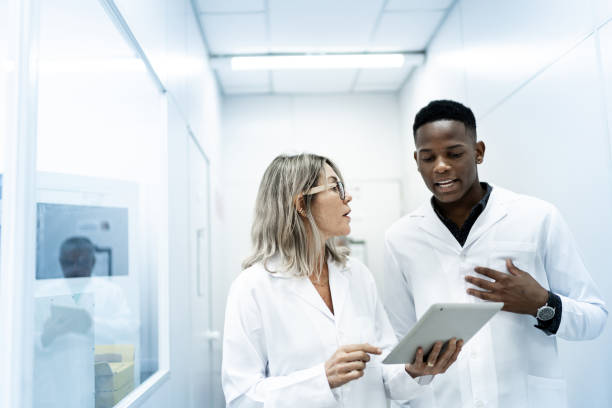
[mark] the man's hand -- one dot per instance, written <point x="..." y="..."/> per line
<point x="434" y="365"/>
<point x="519" y="291"/>
<point x="348" y="362"/>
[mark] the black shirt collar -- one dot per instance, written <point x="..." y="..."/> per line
<point x="461" y="233"/>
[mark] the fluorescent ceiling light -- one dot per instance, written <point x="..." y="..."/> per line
<point x="345" y="61"/>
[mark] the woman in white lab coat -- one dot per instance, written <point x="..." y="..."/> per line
<point x="304" y="326"/>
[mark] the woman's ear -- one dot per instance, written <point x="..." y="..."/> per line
<point x="300" y="205"/>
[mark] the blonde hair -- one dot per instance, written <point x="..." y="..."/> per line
<point x="278" y="229"/>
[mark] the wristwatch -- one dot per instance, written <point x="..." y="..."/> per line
<point x="546" y="312"/>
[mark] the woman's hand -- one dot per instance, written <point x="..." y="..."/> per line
<point x="435" y="365"/>
<point x="348" y="362"/>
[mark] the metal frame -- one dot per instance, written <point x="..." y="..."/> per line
<point x="117" y="18"/>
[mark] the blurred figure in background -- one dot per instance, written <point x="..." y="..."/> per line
<point x="76" y="314"/>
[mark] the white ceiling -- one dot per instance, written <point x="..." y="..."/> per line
<point x="238" y="27"/>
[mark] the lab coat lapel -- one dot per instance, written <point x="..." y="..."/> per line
<point x="494" y="212"/>
<point x="306" y="291"/>
<point x="300" y="286"/>
<point x="431" y="224"/>
<point x="339" y="287"/>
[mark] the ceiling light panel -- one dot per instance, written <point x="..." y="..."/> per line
<point x="382" y="87"/>
<point x="379" y="77"/>
<point x="313" y="81"/>
<point x="321" y="25"/>
<point x="231" y="6"/>
<point x="404" y="5"/>
<point x="282" y="62"/>
<point x="243" y="82"/>
<point x="235" y="33"/>
<point x="405" y="30"/>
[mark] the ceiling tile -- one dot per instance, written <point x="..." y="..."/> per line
<point x="246" y="90"/>
<point x="417" y="4"/>
<point x="235" y="33"/>
<point x="408" y="31"/>
<point x="313" y="81"/>
<point x="230" y="6"/>
<point x="321" y="25"/>
<point x="388" y="87"/>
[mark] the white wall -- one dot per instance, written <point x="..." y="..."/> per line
<point x="361" y="133"/>
<point x="538" y="76"/>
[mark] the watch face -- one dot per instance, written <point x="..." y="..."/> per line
<point x="545" y="313"/>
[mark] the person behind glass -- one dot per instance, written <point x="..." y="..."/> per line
<point x="112" y="320"/>
<point x="77" y="259"/>
<point x="304" y="326"/>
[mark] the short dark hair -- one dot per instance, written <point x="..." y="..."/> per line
<point x="445" y="109"/>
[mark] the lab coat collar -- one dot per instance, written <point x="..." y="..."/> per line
<point x="493" y="212"/>
<point x="305" y="290"/>
<point x="338" y="285"/>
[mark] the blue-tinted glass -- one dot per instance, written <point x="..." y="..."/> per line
<point x="81" y="241"/>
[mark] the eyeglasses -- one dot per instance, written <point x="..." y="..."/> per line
<point x="338" y="186"/>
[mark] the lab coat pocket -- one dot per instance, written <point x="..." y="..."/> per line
<point x="546" y="392"/>
<point x="523" y="255"/>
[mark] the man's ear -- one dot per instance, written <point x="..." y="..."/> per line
<point x="480" y="151"/>
<point x="300" y="205"/>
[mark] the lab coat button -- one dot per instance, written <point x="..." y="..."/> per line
<point x="474" y="355"/>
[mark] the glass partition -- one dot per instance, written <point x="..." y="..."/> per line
<point x="100" y="179"/>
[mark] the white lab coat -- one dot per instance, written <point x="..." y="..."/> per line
<point x="509" y="363"/>
<point x="64" y="369"/>
<point x="279" y="333"/>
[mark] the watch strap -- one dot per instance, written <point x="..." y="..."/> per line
<point x="551" y="326"/>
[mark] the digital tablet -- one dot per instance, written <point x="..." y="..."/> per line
<point x="78" y="318"/>
<point x="442" y="322"/>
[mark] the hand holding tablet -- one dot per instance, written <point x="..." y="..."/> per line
<point x="441" y="322"/>
<point x="438" y="360"/>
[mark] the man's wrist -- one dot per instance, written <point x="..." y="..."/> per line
<point x="551" y="326"/>
<point x="542" y="300"/>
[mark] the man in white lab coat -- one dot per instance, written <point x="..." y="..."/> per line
<point x="476" y="242"/>
<point x="72" y="316"/>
